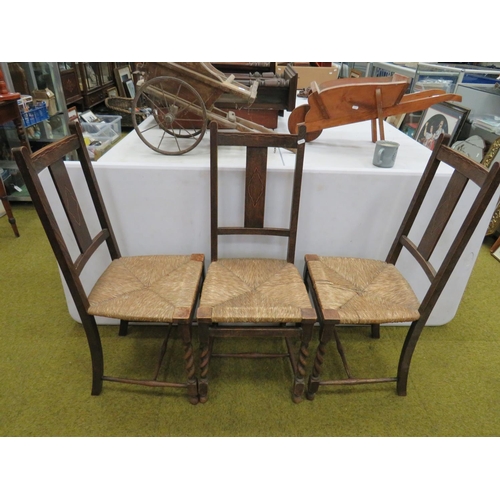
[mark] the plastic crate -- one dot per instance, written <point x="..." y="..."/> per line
<point x="99" y="143"/>
<point x="112" y="122"/>
<point x="98" y="146"/>
<point x="35" y="115"/>
<point x="99" y="131"/>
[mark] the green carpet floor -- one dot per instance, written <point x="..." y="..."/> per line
<point x="454" y="386"/>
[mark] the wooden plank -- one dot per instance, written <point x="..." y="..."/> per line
<point x="255" y="186"/>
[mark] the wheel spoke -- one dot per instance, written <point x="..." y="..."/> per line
<point x="179" y="115"/>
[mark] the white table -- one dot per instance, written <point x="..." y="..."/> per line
<point x="160" y="204"/>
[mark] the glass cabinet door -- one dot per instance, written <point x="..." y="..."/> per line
<point x="41" y="81"/>
<point x="106" y="73"/>
<point x="92" y="75"/>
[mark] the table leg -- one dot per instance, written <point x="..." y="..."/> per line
<point x="8" y="210"/>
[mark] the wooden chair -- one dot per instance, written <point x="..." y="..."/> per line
<point x="150" y="288"/>
<point x="255" y="297"/>
<point x="352" y="291"/>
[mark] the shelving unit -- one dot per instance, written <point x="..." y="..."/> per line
<point x="40" y="127"/>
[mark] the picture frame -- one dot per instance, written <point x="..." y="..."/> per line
<point x="130" y="88"/>
<point x="112" y="92"/>
<point x="89" y="117"/>
<point x="410" y="122"/>
<point x="396" y="120"/>
<point x="73" y="114"/>
<point x="122" y="74"/>
<point x="440" y="118"/>
<point x="492" y="155"/>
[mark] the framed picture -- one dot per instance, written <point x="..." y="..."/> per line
<point x="130" y="88"/>
<point x="89" y="117"/>
<point x="492" y="155"/>
<point x="396" y="120"/>
<point x="112" y="92"/>
<point x="73" y="114"/>
<point x="122" y="75"/>
<point x="440" y="118"/>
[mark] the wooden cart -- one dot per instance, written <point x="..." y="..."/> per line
<point x="351" y="100"/>
<point x="181" y="98"/>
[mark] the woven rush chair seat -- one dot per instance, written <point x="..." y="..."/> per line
<point x="357" y="291"/>
<point x="162" y="289"/>
<point x="254" y="290"/>
<point x="362" y="291"/>
<point x="150" y="288"/>
<point x="255" y="297"/>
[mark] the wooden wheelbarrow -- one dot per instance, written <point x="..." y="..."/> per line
<point x="181" y="98"/>
<point x="352" y="100"/>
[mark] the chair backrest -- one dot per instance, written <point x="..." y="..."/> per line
<point x="256" y="145"/>
<point x="52" y="157"/>
<point x="465" y="170"/>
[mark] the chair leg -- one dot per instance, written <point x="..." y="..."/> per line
<point x="314" y="379"/>
<point x="7" y="208"/>
<point x="204" y="359"/>
<point x="300" y="374"/>
<point x="192" y="384"/>
<point x="96" y="354"/>
<point x="375" y="331"/>
<point x="406" y="354"/>
<point x="123" y="328"/>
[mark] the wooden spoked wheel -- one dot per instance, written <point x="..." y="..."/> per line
<point x="179" y="115"/>
<point x="298" y="115"/>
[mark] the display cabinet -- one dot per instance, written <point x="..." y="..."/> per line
<point x="96" y="79"/>
<point x="44" y="116"/>
<point x="70" y="83"/>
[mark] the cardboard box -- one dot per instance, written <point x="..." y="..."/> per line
<point x="48" y="97"/>
<point x="308" y="74"/>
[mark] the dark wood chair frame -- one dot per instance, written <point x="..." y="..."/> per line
<point x="466" y="170"/>
<point x="257" y="145"/>
<point x="52" y="157"/>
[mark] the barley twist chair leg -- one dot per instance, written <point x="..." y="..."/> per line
<point x="299" y="378"/>
<point x="314" y="378"/>
<point x="300" y="371"/>
<point x="325" y="334"/>
<point x="192" y="383"/>
<point x="204" y="359"/>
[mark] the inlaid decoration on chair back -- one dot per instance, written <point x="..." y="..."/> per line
<point x="256" y="169"/>
<point x="52" y="157"/>
<point x="465" y="170"/>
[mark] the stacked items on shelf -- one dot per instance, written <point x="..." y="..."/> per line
<point x="490" y="123"/>
<point x="32" y="113"/>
